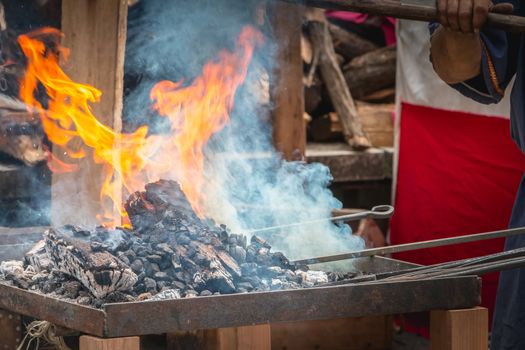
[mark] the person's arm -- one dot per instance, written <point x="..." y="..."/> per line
<point x="456" y="46"/>
<point x="456" y="57"/>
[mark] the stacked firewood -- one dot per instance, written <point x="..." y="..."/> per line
<point x="169" y="254"/>
<point x="21" y="133"/>
<point x="349" y="85"/>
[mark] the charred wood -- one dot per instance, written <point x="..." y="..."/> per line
<point x="98" y="270"/>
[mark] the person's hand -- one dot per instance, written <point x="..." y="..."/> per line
<point x="468" y="16"/>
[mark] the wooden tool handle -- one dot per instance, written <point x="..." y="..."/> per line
<point x="392" y="8"/>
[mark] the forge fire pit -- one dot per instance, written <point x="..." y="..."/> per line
<point x="219" y="311"/>
<point x="174" y="272"/>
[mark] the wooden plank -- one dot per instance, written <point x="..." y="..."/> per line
<point x="287" y="95"/>
<point x="372" y="332"/>
<point x="92" y="343"/>
<point x="378" y="122"/>
<point x="347" y="165"/>
<point x="95" y="33"/>
<point x="10" y="330"/>
<point x="459" y="329"/>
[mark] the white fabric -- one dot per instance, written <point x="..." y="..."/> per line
<point x="418" y="84"/>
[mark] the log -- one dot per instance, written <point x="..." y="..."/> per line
<point x="376" y="120"/>
<point x="371" y="72"/>
<point x="348" y="44"/>
<point x="336" y="85"/>
<point x="387" y="95"/>
<point x="99" y="271"/>
<point x="21" y="134"/>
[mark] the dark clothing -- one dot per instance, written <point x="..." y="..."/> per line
<point x="504" y="59"/>
<point x="508" y="326"/>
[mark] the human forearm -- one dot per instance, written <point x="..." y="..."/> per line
<point x="456" y="56"/>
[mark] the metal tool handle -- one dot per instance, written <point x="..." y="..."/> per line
<point x="392" y="8"/>
<point x="377" y="212"/>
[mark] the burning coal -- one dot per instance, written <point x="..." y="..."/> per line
<point x="170" y="254"/>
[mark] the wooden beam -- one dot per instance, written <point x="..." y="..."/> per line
<point x="289" y="131"/>
<point x="92" y="343"/>
<point x="95" y="33"/>
<point x="459" y="329"/>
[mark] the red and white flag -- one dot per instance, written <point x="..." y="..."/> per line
<point x="457" y="169"/>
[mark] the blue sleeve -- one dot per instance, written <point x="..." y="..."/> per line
<point x="498" y="66"/>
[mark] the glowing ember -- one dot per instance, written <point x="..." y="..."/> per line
<point x="196" y="112"/>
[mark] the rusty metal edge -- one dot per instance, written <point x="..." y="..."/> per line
<point x="60" y="312"/>
<point x="154" y="317"/>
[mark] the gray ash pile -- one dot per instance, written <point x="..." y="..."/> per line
<point x="169" y="253"/>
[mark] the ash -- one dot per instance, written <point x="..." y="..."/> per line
<point x="169" y="254"/>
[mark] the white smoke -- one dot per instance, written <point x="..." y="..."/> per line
<point x="248" y="184"/>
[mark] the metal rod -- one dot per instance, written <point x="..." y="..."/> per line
<point x="377" y="212"/>
<point x="520" y="252"/>
<point x="478" y="269"/>
<point x="413" y="246"/>
<point x="392" y="8"/>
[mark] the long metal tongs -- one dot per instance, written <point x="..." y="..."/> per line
<point x="377" y="212"/>
<point x="413" y="246"/>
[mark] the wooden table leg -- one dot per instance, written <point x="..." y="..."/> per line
<point x="92" y="343"/>
<point x="245" y="338"/>
<point x="235" y="338"/>
<point x="459" y="329"/>
<point x="10" y="330"/>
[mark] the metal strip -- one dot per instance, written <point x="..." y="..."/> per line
<point x="85" y="319"/>
<point x="141" y="318"/>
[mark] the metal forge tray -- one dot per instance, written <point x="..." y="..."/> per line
<point x="233" y="310"/>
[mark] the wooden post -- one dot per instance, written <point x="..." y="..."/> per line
<point x="287" y="92"/>
<point x="92" y="343"/>
<point x="459" y="329"/>
<point x="10" y="330"/>
<point x="95" y="33"/>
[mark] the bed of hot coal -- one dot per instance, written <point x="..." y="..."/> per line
<point x="169" y="253"/>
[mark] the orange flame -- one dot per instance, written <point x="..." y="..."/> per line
<point x="130" y="160"/>
<point x="200" y="110"/>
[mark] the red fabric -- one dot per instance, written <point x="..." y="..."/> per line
<point x="458" y="174"/>
<point x="388" y="24"/>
